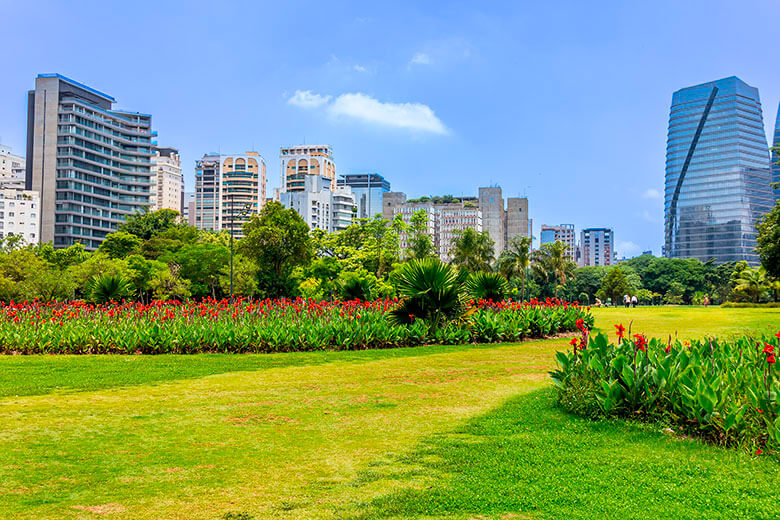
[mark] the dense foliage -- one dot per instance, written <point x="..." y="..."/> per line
<point x="263" y="326"/>
<point x="724" y="390"/>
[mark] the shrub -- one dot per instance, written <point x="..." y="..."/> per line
<point x="748" y="305"/>
<point x="486" y="286"/>
<point x="107" y="288"/>
<point x="431" y="293"/>
<point x="725" y="391"/>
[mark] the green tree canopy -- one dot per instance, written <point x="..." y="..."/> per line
<point x="768" y="241"/>
<point x="277" y="240"/>
<point x="472" y="250"/>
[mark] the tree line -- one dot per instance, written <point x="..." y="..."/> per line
<point x="154" y="255"/>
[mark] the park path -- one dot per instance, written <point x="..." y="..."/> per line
<point x="279" y="443"/>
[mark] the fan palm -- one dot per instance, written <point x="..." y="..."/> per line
<point x="105" y="288"/>
<point x="473" y="250"/>
<point x="551" y="260"/>
<point x="514" y="261"/>
<point x="430" y="290"/>
<point x="486" y="286"/>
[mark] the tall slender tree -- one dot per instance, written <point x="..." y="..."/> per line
<point x="514" y="261"/>
<point x="473" y="250"/>
<point x="550" y="260"/>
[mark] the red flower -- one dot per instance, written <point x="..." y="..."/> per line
<point x="640" y="341"/>
<point x="770" y="359"/>
<point x="768" y="349"/>
<point x="759" y="452"/>
<point x="574" y="342"/>
<point x="580" y="323"/>
<point x="620" y="331"/>
<point x="668" y="348"/>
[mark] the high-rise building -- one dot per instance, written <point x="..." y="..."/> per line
<point x="11" y="169"/>
<point x="302" y="160"/>
<point x="228" y="190"/>
<point x="517" y="221"/>
<point x="90" y="163"/>
<point x="449" y="216"/>
<point x="368" y="189"/>
<point x="20" y="214"/>
<point x="717" y="172"/>
<point x="243" y="190"/>
<point x="597" y="247"/>
<point x="167" y="180"/>
<point x="208" y="180"/>
<point x="776" y="156"/>
<point x="320" y="206"/>
<point x="188" y="208"/>
<point x="491" y="202"/>
<point x="11" y="165"/>
<point x="562" y="233"/>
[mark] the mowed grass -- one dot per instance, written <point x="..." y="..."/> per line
<point x="427" y="432"/>
<point x="687" y="322"/>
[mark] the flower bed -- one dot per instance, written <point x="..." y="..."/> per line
<point x="726" y="391"/>
<point x="261" y="326"/>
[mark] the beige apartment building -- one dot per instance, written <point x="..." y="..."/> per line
<point x="302" y="160"/>
<point x="229" y="189"/>
<point x="167" y="180"/>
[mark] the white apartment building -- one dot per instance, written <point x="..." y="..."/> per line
<point x="320" y="206"/>
<point x="167" y="180"/>
<point x="20" y="214"/>
<point x="12" y="169"/>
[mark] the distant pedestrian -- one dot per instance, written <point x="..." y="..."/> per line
<point x="626" y="300"/>
<point x="706" y="300"/>
<point x="634" y="301"/>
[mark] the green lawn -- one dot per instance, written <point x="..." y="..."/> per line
<point x="428" y="432"/>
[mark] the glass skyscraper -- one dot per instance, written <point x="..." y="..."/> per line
<point x="776" y="156"/>
<point x="717" y="172"/>
<point x="368" y="188"/>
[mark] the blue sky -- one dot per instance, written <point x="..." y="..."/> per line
<point x="565" y="102"/>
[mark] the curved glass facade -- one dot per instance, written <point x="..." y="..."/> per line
<point x="717" y="172"/>
<point x="776" y="156"/>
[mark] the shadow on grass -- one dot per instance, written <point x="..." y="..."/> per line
<point x="531" y="459"/>
<point x="44" y="374"/>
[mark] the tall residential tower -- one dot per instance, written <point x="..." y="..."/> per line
<point x="89" y="162"/>
<point x="717" y="172"/>
<point x="228" y="190"/>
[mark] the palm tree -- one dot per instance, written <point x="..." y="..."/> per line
<point x="486" y="286"/>
<point x="106" y="288"/>
<point x="473" y="251"/>
<point x="514" y="261"/>
<point x="431" y="292"/>
<point x="751" y="282"/>
<point x="551" y="260"/>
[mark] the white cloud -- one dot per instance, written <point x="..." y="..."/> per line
<point x="360" y="68"/>
<point x="306" y="99"/>
<point x="420" y="58"/>
<point x="411" y="116"/>
<point x="362" y="107"/>
<point x="627" y="249"/>
<point x="652" y="193"/>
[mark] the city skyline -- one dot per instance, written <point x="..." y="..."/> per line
<point x="559" y="112"/>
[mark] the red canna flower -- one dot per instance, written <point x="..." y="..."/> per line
<point x="759" y="452"/>
<point x="640" y="341"/>
<point x="620" y="331"/>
